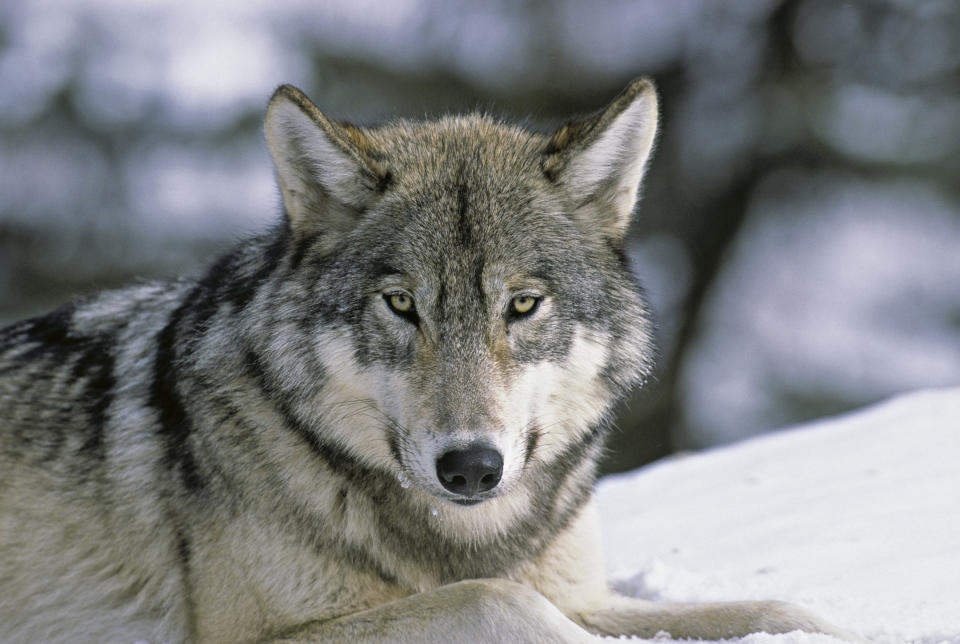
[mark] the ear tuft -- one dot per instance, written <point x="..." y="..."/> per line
<point x="328" y="172"/>
<point x="599" y="161"/>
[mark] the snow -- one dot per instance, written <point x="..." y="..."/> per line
<point x="855" y="518"/>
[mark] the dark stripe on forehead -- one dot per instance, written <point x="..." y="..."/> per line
<point x="464" y="225"/>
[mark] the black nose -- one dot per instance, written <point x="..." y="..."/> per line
<point x="470" y="471"/>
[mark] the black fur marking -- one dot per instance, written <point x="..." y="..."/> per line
<point x="97" y="366"/>
<point x="338" y="460"/>
<point x="175" y="424"/>
<point x="551" y="148"/>
<point x="384" y="181"/>
<point x="361" y="560"/>
<point x="241" y="291"/>
<point x="343" y="551"/>
<point x="300" y="250"/>
<point x="203" y="302"/>
<point x="394" y="442"/>
<point x="478" y="284"/>
<point x="184" y="554"/>
<point x="229" y="281"/>
<point x="464" y="227"/>
<point x="574" y="454"/>
<point x="51" y="332"/>
<point x="56" y="343"/>
<point x="333" y="457"/>
<point x="183" y="549"/>
<point x="533" y="439"/>
<point x="372" y="483"/>
<point x="226" y="281"/>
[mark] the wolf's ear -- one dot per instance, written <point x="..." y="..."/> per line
<point x="327" y="171"/>
<point x="599" y="161"/>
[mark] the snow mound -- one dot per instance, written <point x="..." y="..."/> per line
<point x="856" y="518"/>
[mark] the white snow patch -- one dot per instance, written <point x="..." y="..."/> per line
<point x="855" y="518"/>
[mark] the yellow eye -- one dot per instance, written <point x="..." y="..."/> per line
<point x="524" y="304"/>
<point x="400" y="302"/>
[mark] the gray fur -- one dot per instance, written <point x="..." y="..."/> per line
<point x="250" y="455"/>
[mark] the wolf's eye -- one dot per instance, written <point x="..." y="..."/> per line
<point x="402" y="305"/>
<point x="524" y="305"/>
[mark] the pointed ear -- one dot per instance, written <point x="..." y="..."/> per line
<point x="600" y="160"/>
<point x="328" y="172"/>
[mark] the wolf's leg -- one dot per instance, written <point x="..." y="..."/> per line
<point x="570" y="573"/>
<point x="484" y="610"/>
<point x="628" y="616"/>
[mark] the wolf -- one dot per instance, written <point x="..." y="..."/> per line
<point x="378" y="421"/>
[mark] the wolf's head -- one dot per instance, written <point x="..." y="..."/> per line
<point x="470" y="312"/>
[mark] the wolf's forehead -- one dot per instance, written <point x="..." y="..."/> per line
<point x="466" y="238"/>
<point x="461" y="218"/>
<point x="494" y="153"/>
<point x="469" y="191"/>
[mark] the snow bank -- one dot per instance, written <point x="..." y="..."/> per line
<point x="856" y="518"/>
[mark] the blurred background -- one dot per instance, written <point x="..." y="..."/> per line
<point x="799" y="235"/>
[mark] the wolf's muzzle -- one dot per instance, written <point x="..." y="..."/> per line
<point x="468" y="472"/>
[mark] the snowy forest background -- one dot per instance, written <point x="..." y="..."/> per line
<point x="800" y="230"/>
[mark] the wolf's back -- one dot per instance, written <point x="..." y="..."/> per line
<point x="65" y="375"/>
<point x="78" y="489"/>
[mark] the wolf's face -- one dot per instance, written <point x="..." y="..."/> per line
<point x="472" y="311"/>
